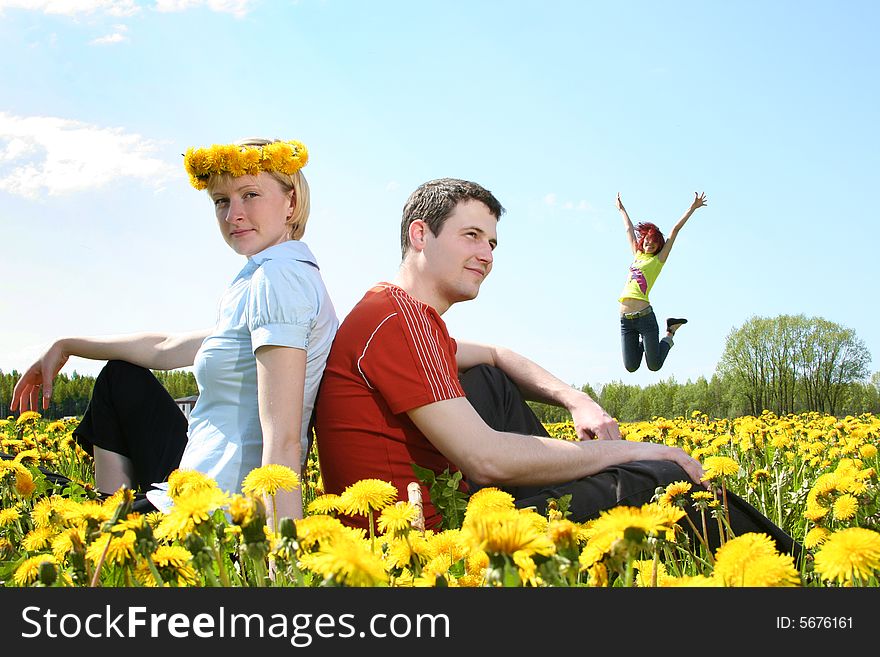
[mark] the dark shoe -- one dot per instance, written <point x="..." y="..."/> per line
<point x="673" y="321"/>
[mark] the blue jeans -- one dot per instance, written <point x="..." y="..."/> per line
<point x="642" y="336"/>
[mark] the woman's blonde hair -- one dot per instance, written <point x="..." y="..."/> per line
<point x="294" y="182"/>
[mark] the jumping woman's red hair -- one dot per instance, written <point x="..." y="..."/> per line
<point x="647" y="229"/>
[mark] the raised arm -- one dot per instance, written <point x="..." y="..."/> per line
<point x="537" y="384"/>
<point x="281" y="375"/>
<point x="156" y="351"/>
<point x="698" y="202"/>
<point x="628" y="226"/>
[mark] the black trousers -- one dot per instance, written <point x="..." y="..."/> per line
<point x="501" y="405"/>
<point x="130" y="413"/>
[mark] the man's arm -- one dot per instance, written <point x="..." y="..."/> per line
<point x="537" y="384"/>
<point x="497" y="458"/>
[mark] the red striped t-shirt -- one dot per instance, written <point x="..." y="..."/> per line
<point x="390" y="355"/>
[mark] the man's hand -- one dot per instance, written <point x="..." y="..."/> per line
<point x="591" y="421"/>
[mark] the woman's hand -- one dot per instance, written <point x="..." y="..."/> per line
<point x="620" y="203"/>
<point x="25" y="395"/>
<point x="699" y="201"/>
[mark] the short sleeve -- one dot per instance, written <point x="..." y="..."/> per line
<point x="282" y="304"/>
<point x="410" y="360"/>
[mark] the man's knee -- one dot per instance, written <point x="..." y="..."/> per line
<point x="663" y="472"/>
<point x="482" y="376"/>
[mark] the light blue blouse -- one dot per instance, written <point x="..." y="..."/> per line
<point x="278" y="298"/>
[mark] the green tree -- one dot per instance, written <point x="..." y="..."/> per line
<point x="792" y="363"/>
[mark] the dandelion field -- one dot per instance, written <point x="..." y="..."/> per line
<point x="814" y="475"/>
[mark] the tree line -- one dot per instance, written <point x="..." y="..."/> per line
<point x="785" y="364"/>
<point x="71" y="394"/>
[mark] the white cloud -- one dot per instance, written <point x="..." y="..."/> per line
<point x="44" y="154"/>
<point x="116" y="37"/>
<point x="392" y="185"/>
<point x="74" y="7"/>
<point x="584" y="206"/>
<point x="237" y="8"/>
<point x="550" y="199"/>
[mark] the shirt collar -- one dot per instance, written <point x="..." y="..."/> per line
<point x="289" y="250"/>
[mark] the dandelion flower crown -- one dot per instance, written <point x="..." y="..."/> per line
<point x="281" y="156"/>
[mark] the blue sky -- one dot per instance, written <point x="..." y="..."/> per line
<point x="770" y="108"/>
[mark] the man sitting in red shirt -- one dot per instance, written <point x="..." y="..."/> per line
<point x="398" y="390"/>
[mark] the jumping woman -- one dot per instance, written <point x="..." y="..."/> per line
<point x="639" y="332"/>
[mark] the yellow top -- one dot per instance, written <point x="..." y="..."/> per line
<point x="643" y="272"/>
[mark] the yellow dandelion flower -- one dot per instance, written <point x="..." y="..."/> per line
<point x="760" y="476"/>
<point x="815" y="537"/>
<point x="198" y="162"/>
<point x="849" y="554"/>
<point x="119" y="549"/>
<point x="9" y="516"/>
<point x="597" y="575"/>
<point x="527" y="569"/>
<point x="752" y="560"/>
<point x="347" y="562"/>
<point x="37" y="539"/>
<point x="867" y="451"/>
<point x="845" y="507"/>
<point x="689" y="581"/>
<point x="489" y="499"/>
<point x="89" y="511"/>
<point x="27" y="417"/>
<point x="397" y="518"/>
<point x="325" y="504"/>
<point x="70" y="540"/>
<point x="185" y="482"/>
<point x="24" y="483"/>
<point x="719" y="466"/>
<point x="400" y="553"/>
<point x="26" y="574"/>
<point x="173" y="564"/>
<point x="645" y="573"/>
<point x="171" y="556"/>
<point x="269" y="479"/>
<point x="633" y="522"/>
<point x="564" y="534"/>
<point x="314" y="530"/>
<point x="41" y="514"/>
<point x="28" y="456"/>
<point x="366" y="495"/>
<point x="675" y="493"/>
<point x="190" y="511"/>
<point x="451" y="542"/>
<point x="242" y="510"/>
<point x="506" y="532"/>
